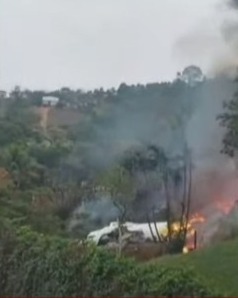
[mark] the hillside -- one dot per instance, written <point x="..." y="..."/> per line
<point x="131" y="156"/>
<point x="55" y="117"/>
<point x="217" y="265"/>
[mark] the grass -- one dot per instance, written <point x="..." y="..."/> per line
<point x="218" y="265"/>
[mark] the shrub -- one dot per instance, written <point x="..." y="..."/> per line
<point x="36" y="265"/>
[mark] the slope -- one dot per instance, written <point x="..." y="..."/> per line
<point x="217" y="265"/>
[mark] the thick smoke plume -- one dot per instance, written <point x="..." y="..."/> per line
<point x="229" y="34"/>
<point x="214" y="175"/>
<point x="233" y="4"/>
<point x="93" y="214"/>
<point x="213" y="44"/>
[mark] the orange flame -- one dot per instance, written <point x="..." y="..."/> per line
<point x="197" y="218"/>
<point x="185" y="250"/>
<point x="224" y="206"/>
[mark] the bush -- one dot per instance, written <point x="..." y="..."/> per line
<point x="35" y="265"/>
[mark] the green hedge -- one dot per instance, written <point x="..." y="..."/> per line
<point x="35" y="265"/>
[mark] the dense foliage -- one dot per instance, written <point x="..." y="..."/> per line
<point x="229" y="119"/>
<point x="35" y="265"/>
<point x="51" y="170"/>
<point x="121" y="144"/>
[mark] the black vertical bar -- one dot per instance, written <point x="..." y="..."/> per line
<point x="195" y="239"/>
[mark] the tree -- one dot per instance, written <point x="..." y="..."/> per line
<point x="180" y="212"/>
<point x="229" y="120"/>
<point x="120" y="186"/>
<point x="24" y="169"/>
<point x="152" y="170"/>
<point x="118" y="183"/>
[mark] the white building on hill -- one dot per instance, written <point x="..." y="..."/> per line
<point x="50" y="101"/>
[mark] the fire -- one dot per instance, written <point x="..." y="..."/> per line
<point x="176" y="227"/>
<point x="185" y="250"/>
<point x="199" y="222"/>
<point x="224" y="206"/>
<point x="197" y="218"/>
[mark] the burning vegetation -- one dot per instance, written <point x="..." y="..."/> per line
<point x="149" y="240"/>
<point x="144" y="170"/>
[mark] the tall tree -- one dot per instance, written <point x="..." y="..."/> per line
<point x="229" y="120"/>
<point x="119" y="184"/>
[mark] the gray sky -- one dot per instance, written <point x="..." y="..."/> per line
<point x="91" y="43"/>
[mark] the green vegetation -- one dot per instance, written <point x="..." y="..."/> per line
<point x="216" y="265"/>
<point x="32" y="264"/>
<point x="53" y="171"/>
<point x="127" y="143"/>
<point x="229" y="119"/>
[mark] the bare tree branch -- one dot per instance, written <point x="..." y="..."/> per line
<point x="151" y="231"/>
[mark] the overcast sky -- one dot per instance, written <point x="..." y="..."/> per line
<point x="48" y="44"/>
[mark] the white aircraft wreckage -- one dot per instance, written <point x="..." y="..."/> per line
<point x="143" y="239"/>
<point x="141" y="231"/>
